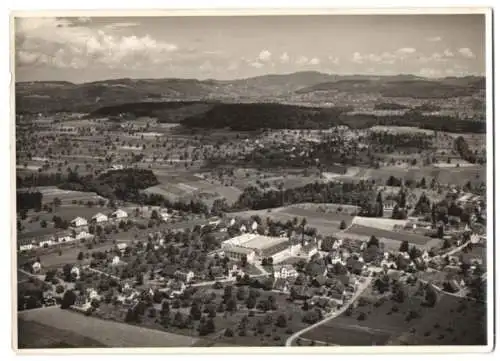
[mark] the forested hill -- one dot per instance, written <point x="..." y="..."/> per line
<point x="244" y="117"/>
<point x="265" y="115"/>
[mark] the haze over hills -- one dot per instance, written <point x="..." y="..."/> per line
<point x="52" y="96"/>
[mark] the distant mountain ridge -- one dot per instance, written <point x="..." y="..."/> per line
<point x="52" y="96"/>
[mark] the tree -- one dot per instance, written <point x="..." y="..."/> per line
<point x="446" y="244"/>
<point x="430" y="296"/>
<point x="404" y="246"/>
<point x="373" y="242"/>
<point x="343" y="225"/>
<point x="281" y="321"/>
<point x="195" y="311"/>
<point x="68" y="300"/>
<point x="43" y="223"/>
<point x="251" y="302"/>
<point x="80" y="256"/>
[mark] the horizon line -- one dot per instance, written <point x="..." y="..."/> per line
<point x="254" y="77"/>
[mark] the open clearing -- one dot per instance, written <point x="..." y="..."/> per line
<point x="447" y="323"/>
<point x="416" y="239"/>
<point x="326" y="223"/>
<point x="111" y="334"/>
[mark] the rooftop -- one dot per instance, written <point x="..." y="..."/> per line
<point x="263" y="242"/>
<point x="237" y="249"/>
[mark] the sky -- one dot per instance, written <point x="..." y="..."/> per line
<point x="98" y="48"/>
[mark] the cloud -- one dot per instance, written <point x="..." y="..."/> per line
<point x="406" y="51"/>
<point x="334" y="60"/>
<point x="62" y="43"/>
<point x="434" y="39"/>
<point x="314" y="61"/>
<point x="265" y="55"/>
<point x="466" y="53"/>
<point x="448" y="53"/>
<point x="256" y="64"/>
<point x="284" y="58"/>
<point x="302" y="60"/>
<point x="357" y="58"/>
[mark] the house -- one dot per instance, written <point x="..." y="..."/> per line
<point x="83" y="234"/>
<point x="236" y="253"/>
<point x="36" y="267"/>
<point x="355" y="266"/>
<point x="319" y="280"/>
<point x="310" y="249"/>
<point x="75" y="271"/>
<point x="78" y="222"/>
<point x="216" y="272"/>
<point x="282" y="285"/>
<point x="255" y="225"/>
<point x="46" y="243"/>
<point x="243" y="228"/>
<point x="99" y="218"/>
<point x="26" y="245"/>
<point x="115" y="261"/>
<point x="184" y="276"/>
<point x="284" y="271"/>
<point x="232" y="222"/>
<point x="119" y="214"/>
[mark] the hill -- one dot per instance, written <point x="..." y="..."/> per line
<point x="402" y="86"/>
<point x="53" y="96"/>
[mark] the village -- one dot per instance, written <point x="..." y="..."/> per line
<point x="273" y="266"/>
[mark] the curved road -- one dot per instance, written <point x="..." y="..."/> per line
<point x="336" y="313"/>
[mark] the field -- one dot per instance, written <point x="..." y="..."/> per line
<point x="444" y="175"/>
<point x="325" y="222"/>
<point x="56" y="323"/>
<point x="447" y="323"/>
<point x="399" y="236"/>
<point x="187" y="187"/>
<point x="346" y="333"/>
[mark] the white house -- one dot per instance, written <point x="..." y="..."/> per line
<point x="119" y="214"/>
<point x="46" y="243"/>
<point x="67" y="239"/>
<point x="255" y="225"/>
<point x="243" y="228"/>
<point x="232" y="222"/>
<point x="115" y="261"/>
<point x="79" y="222"/>
<point x="75" y="271"/>
<point x="164" y="216"/>
<point x="82" y="235"/>
<point x="37" y="267"/>
<point x="99" y="218"/>
<point x="284" y="271"/>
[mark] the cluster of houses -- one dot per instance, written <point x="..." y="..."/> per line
<point x="78" y="231"/>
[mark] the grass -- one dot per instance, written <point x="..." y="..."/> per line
<point x="35" y="335"/>
<point x="395" y="235"/>
<point x="325" y="223"/>
<point x="109" y="333"/>
<point x="452" y="321"/>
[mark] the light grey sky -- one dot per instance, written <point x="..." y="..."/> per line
<point x="89" y="49"/>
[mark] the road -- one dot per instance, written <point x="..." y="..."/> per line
<point x="336" y="313"/>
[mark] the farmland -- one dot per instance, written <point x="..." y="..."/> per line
<point x="326" y="222"/>
<point x="452" y="321"/>
<point x="400" y="236"/>
<point x="57" y="323"/>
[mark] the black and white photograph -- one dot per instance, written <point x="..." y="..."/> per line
<point x="243" y="180"/>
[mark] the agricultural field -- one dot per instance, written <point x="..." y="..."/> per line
<point x="400" y="236"/>
<point x="381" y="321"/>
<point x="326" y="223"/>
<point x="108" y="333"/>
